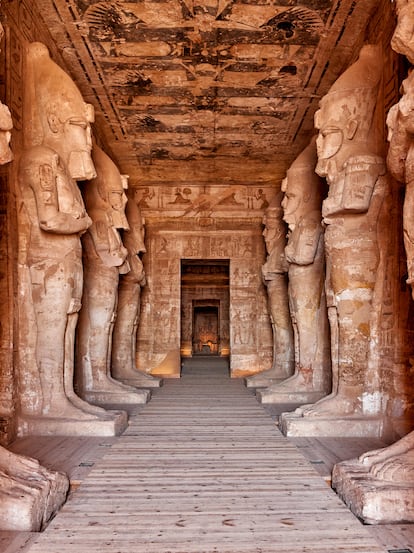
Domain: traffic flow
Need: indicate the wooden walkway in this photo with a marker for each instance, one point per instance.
(203, 469)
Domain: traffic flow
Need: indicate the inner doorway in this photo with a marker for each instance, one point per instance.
(205, 297)
(205, 336)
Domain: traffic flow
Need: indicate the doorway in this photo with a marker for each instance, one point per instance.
(205, 307)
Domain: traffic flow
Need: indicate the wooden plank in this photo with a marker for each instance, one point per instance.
(203, 469)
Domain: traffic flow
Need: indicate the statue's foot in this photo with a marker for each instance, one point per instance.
(370, 458)
(333, 406)
(298, 382)
(107, 384)
(399, 469)
(300, 410)
(64, 409)
(85, 406)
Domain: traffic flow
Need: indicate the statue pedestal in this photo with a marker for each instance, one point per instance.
(27, 505)
(264, 379)
(293, 424)
(114, 397)
(284, 396)
(372, 500)
(113, 423)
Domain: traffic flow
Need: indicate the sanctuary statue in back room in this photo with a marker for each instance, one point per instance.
(129, 298)
(303, 192)
(352, 214)
(58, 153)
(274, 275)
(379, 486)
(105, 258)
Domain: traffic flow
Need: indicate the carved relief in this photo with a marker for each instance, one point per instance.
(206, 202)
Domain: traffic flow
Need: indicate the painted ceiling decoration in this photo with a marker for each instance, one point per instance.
(203, 92)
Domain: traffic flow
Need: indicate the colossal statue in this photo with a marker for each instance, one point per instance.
(379, 486)
(303, 190)
(128, 311)
(274, 274)
(104, 258)
(29, 493)
(57, 154)
(357, 183)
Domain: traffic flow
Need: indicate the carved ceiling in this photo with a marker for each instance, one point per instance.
(202, 92)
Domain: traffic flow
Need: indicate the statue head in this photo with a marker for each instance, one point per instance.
(58, 116)
(403, 38)
(302, 187)
(106, 192)
(345, 114)
(275, 228)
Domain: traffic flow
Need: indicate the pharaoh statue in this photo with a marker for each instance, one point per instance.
(303, 190)
(274, 274)
(379, 486)
(104, 259)
(29, 493)
(57, 154)
(129, 299)
(358, 185)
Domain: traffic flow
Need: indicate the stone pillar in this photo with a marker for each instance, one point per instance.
(104, 258)
(379, 486)
(57, 154)
(304, 253)
(129, 299)
(358, 185)
(274, 274)
(29, 493)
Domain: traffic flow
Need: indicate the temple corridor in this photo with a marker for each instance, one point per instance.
(202, 468)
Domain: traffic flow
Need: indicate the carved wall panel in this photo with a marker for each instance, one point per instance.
(159, 334)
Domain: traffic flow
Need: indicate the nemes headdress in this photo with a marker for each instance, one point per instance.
(354, 94)
(303, 170)
(51, 96)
